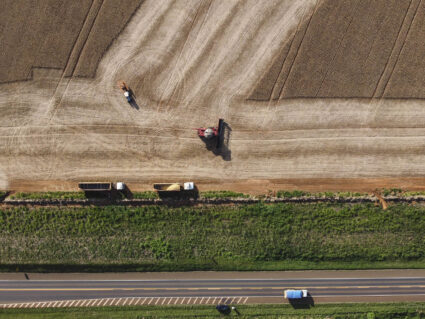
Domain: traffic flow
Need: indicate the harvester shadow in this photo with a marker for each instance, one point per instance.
(219, 146)
(304, 303)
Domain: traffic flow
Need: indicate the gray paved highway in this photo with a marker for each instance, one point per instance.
(48, 290)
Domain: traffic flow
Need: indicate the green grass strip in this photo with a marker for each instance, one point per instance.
(49, 195)
(354, 311)
(241, 237)
(223, 194)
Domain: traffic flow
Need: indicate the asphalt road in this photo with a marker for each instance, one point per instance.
(48, 290)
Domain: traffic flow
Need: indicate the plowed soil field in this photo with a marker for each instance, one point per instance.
(313, 92)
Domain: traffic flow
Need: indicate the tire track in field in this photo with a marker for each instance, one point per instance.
(396, 49)
(401, 49)
(338, 48)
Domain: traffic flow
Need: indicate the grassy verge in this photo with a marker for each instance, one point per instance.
(223, 194)
(358, 311)
(385, 192)
(243, 237)
(49, 195)
(145, 195)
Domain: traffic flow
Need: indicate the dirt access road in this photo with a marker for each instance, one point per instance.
(192, 62)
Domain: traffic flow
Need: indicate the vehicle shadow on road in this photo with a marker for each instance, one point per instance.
(220, 146)
(304, 303)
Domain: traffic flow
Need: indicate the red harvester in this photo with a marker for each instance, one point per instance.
(211, 132)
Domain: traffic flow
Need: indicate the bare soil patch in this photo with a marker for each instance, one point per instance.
(188, 66)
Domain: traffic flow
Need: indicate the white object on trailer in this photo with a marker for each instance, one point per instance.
(120, 186)
(188, 186)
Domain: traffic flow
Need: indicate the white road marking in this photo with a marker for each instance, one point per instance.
(132, 300)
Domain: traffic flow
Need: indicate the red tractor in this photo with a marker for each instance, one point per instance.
(126, 91)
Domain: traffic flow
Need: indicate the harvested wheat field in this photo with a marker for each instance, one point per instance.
(329, 92)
